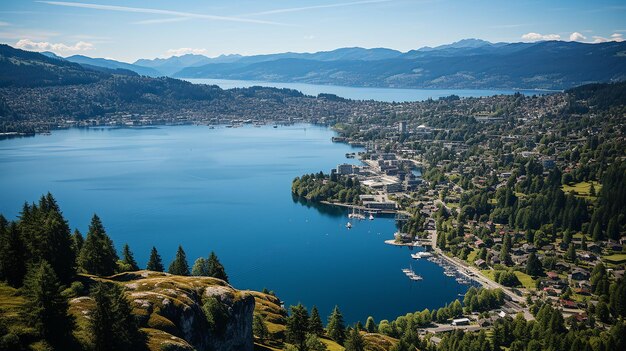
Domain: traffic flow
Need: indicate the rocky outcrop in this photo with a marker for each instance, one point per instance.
(170, 311)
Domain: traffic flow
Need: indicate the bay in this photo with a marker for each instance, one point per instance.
(226, 190)
(366, 93)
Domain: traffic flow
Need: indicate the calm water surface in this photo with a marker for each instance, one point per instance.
(226, 190)
(359, 93)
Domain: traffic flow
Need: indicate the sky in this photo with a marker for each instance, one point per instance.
(128, 30)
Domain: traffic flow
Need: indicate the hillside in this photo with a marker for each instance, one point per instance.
(21, 68)
(543, 65)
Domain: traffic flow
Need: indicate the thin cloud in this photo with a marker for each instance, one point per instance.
(163, 20)
(61, 48)
(315, 7)
(185, 51)
(4, 24)
(156, 12)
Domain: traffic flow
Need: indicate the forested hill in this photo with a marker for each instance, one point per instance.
(543, 65)
(37, 90)
(30, 69)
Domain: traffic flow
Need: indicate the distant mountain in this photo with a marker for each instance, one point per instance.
(469, 64)
(174, 64)
(113, 65)
(170, 66)
(52, 55)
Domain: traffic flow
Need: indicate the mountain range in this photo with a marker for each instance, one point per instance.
(466, 64)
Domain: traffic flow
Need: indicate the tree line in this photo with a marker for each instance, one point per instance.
(43, 259)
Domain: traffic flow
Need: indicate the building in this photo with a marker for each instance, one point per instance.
(460, 321)
(380, 205)
(393, 187)
(547, 163)
(344, 169)
(402, 127)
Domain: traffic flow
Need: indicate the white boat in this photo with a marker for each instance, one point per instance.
(371, 216)
(349, 225)
(421, 254)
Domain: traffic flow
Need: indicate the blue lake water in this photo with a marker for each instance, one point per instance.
(361, 93)
(226, 190)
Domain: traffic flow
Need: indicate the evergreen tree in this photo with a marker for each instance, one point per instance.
(370, 325)
(297, 326)
(47, 236)
(77, 241)
(355, 341)
(12, 256)
(98, 255)
(313, 343)
(533, 265)
(571, 253)
(155, 263)
(46, 308)
(128, 262)
(259, 328)
(112, 317)
(200, 268)
(597, 232)
(215, 268)
(336, 329)
(179, 266)
(612, 231)
(505, 255)
(315, 322)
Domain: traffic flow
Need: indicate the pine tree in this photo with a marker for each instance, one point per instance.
(12, 256)
(297, 326)
(315, 322)
(98, 255)
(612, 231)
(215, 268)
(313, 343)
(370, 325)
(179, 266)
(112, 317)
(597, 232)
(336, 328)
(48, 237)
(155, 263)
(46, 308)
(200, 268)
(77, 241)
(533, 265)
(128, 260)
(571, 253)
(355, 341)
(259, 328)
(505, 255)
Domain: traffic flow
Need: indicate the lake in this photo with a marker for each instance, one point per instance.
(227, 190)
(358, 93)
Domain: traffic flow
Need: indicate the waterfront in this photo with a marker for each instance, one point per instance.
(228, 190)
(367, 93)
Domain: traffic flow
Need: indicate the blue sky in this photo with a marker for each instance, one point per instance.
(132, 29)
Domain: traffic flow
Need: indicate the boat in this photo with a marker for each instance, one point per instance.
(421, 254)
(275, 126)
(349, 225)
(371, 216)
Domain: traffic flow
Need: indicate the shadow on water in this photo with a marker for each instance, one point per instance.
(326, 210)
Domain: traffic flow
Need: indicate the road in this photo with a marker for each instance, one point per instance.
(477, 275)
